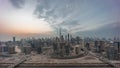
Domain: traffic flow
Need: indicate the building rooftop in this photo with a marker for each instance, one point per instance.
(44, 59)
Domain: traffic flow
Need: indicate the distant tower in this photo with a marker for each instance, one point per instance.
(14, 39)
(60, 32)
(0, 43)
(68, 37)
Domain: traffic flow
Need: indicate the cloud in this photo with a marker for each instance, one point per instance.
(110, 30)
(58, 13)
(18, 3)
(68, 13)
(74, 16)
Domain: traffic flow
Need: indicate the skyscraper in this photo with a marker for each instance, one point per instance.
(14, 39)
(111, 53)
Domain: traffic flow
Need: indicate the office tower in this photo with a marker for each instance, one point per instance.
(27, 49)
(72, 41)
(78, 40)
(111, 53)
(0, 49)
(62, 38)
(87, 45)
(67, 49)
(102, 46)
(32, 44)
(62, 48)
(0, 43)
(60, 33)
(117, 48)
(4, 49)
(82, 44)
(68, 37)
(39, 49)
(91, 45)
(97, 46)
(77, 50)
(14, 39)
(11, 49)
(55, 47)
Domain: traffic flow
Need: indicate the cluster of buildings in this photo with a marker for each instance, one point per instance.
(107, 48)
(8, 48)
(67, 46)
(5, 50)
(63, 46)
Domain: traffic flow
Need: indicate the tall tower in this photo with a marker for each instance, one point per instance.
(14, 39)
(68, 37)
(60, 32)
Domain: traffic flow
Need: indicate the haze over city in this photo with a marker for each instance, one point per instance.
(23, 18)
(59, 33)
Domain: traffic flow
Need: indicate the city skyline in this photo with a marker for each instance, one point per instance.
(24, 18)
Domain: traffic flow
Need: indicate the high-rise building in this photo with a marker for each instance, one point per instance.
(112, 53)
(4, 49)
(102, 46)
(11, 49)
(14, 39)
(27, 49)
(39, 49)
(87, 45)
(60, 33)
(55, 47)
(97, 46)
(67, 49)
(78, 40)
(0, 49)
(68, 37)
(76, 49)
(117, 48)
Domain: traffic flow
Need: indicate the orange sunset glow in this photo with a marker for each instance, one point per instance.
(24, 23)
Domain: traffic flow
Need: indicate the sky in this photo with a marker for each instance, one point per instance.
(35, 18)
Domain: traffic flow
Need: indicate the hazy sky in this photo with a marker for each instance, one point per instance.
(91, 18)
